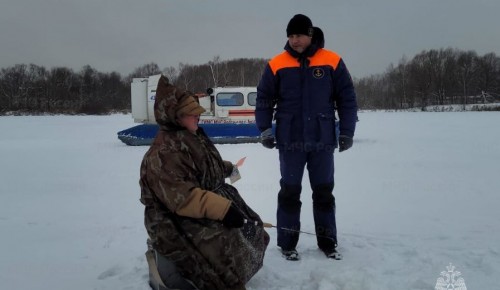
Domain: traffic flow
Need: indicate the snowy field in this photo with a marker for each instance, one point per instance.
(417, 192)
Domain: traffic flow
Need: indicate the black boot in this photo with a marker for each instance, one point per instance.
(163, 274)
(290, 255)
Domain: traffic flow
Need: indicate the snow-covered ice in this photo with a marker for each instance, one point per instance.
(417, 192)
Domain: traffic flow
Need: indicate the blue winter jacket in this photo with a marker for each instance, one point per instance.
(302, 91)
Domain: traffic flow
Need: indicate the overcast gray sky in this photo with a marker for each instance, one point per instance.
(120, 35)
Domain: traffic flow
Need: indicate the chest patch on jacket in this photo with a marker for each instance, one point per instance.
(318, 73)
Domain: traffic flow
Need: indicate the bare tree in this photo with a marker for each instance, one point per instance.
(13, 86)
(185, 75)
(488, 70)
(467, 65)
(38, 87)
(171, 73)
(144, 71)
(62, 90)
(214, 68)
(398, 83)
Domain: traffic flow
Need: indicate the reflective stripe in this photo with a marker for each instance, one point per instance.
(325, 57)
(283, 60)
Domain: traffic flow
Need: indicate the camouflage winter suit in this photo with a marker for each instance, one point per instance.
(183, 188)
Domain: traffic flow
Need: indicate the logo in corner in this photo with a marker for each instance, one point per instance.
(450, 280)
(318, 73)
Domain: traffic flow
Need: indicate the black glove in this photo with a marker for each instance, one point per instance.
(345, 142)
(233, 218)
(267, 138)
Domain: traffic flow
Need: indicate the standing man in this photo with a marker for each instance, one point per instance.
(301, 88)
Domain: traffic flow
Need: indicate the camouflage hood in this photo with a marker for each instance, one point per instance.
(168, 97)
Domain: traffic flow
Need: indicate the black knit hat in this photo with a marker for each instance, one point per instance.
(299, 24)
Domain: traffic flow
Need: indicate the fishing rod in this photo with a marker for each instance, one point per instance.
(269, 225)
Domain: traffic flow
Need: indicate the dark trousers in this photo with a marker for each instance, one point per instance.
(321, 169)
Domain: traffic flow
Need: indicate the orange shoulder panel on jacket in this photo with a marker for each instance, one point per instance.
(325, 57)
(282, 60)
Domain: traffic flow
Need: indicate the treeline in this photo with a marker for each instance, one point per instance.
(33, 89)
(434, 77)
(217, 73)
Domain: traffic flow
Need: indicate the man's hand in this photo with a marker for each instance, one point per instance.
(345, 142)
(267, 138)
